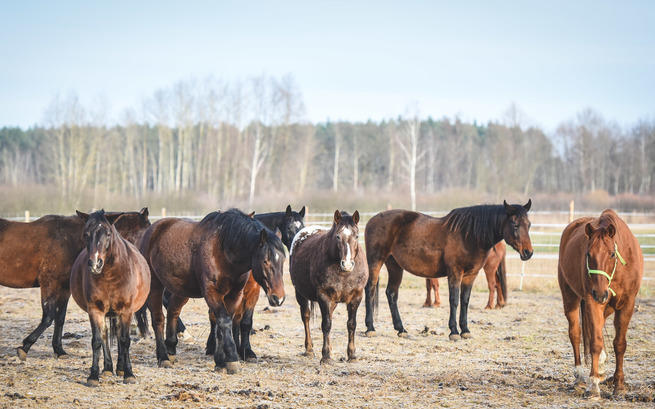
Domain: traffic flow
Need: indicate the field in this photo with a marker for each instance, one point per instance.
(519, 357)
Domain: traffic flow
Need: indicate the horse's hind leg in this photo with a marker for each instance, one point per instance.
(428, 295)
(395, 278)
(305, 315)
(327, 307)
(175, 304)
(61, 306)
(165, 299)
(491, 285)
(210, 347)
(621, 321)
(48, 315)
(157, 317)
(435, 285)
(467, 285)
(371, 291)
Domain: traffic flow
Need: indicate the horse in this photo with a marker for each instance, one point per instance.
(287, 223)
(211, 259)
(599, 272)
(495, 271)
(109, 279)
(453, 246)
(41, 254)
(328, 267)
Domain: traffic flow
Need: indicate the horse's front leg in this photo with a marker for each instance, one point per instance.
(454, 284)
(210, 346)
(467, 285)
(225, 353)
(327, 307)
(596, 320)
(395, 279)
(245, 326)
(125, 320)
(353, 305)
(96, 319)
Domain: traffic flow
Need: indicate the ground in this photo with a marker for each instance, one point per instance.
(520, 356)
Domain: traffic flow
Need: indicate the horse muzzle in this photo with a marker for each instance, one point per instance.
(95, 267)
(526, 255)
(347, 266)
(275, 301)
(600, 297)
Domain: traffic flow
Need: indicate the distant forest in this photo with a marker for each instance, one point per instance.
(241, 141)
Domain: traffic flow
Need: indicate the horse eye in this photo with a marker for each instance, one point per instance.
(612, 254)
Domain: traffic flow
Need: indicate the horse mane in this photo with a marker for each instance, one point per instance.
(480, 224)
(237, 231)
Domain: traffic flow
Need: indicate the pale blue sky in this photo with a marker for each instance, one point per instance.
(353, 62)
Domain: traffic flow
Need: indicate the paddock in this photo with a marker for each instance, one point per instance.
(519, 356)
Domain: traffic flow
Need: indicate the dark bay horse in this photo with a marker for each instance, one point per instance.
(211, 259)
(328, 267)
(288, 223)
(495, 272)
(599, 272)
(41, 254)
(453, 246)
(110, 278)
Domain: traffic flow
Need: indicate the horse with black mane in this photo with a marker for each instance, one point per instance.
(41, 254)
(213, 259)
(453, 246)
(599, 273)
(495, 272)
(109, 279)
(327, 267)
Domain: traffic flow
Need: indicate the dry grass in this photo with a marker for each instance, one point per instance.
(519, 356)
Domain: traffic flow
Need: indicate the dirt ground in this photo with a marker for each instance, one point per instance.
(519, 357)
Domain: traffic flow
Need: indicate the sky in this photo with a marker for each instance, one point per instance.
(351, 60)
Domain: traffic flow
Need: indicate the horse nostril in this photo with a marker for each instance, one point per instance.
(100, 263)
(89, 263)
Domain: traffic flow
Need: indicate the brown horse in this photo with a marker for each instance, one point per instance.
(455, 246)
(494, 270)
(599, 272)
(328, 267)
(211, 259)
(109, 279)
(41, 254)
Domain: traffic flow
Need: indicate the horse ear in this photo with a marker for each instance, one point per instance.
(508, 208)
(278, 233)
(356, 217)
(588, 230)
(337, 216)
(251, 214)
(528, 205)
(144, 213)
(83, 216)
(288, 210)
(611, 230)
(262, 237)
(302, 212)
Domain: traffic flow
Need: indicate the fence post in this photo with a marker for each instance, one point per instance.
(522, 275)
(571, 209)
(27, 216)
(163, 212)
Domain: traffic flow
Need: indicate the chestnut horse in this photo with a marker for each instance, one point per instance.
(455, 246)
(494, 270)
(328, 267)
(599, 272)
(109, 279)
(211, 259)
(41, 254)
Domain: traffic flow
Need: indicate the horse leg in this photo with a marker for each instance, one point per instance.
(572, 312)
(428, 296)
(61, 306)
(353, 305)
(454, 284)
(210, 347)
(395, 278)
(371, 294)
(596, 343)
(435, 285)
(245, 326)
(108, 365)
(225, 353)
(491, 285)
(327, 306)
(157, 317)
(465, 295)
(142, 320)
(305, 315)
(180, 325)
(621, 321)
(124, 348)
(48, 315)
(175, 304)
(236, 335)
(97, 330)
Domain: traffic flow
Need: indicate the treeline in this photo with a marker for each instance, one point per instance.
(235, 141)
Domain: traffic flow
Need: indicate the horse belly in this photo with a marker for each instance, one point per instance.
(420, 261)
(19, 265)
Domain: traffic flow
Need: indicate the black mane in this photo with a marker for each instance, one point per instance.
(480, 224)
(238, 232)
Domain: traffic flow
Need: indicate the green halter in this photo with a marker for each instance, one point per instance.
(601, 272)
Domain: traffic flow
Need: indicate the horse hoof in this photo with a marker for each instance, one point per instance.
(165, 364)
(309, 354)
(488, 307)
(92, 382)
(22, 355)
(232, 367)
(106, 374)
(120, 373)
(129, 379)
(454, 337)
(466, 335)
(370, 334)
(619, 390)
(172, 358)
(403, 334)
(326, 361)
(352, 359)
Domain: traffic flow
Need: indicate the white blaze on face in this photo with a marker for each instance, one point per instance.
(347, 232)
(297, 224)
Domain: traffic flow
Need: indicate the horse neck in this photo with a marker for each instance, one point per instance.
(117, 251)
(496, 227)
(329, 244)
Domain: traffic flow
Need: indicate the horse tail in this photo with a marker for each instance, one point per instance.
(501, 276)
(586, 331)
(111, 323)
(142, 320)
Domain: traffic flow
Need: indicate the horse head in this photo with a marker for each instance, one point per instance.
(345, 234)
(292, 223)
(98, 236)
(516, 228)
(601, 259)
(268, 266)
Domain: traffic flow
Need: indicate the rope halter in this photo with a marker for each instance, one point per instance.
(603, 273)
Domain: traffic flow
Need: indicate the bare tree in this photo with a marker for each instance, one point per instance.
(408, 141)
